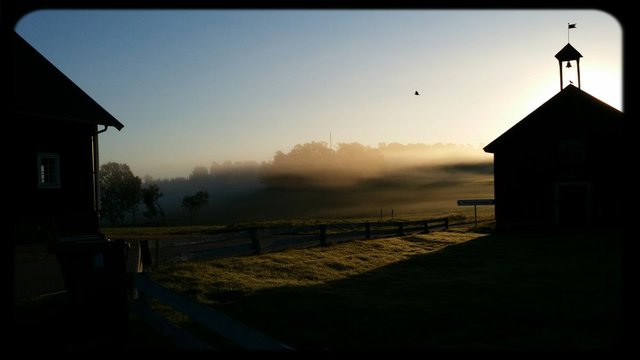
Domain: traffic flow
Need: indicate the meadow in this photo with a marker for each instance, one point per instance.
(243, 198)
(462, 289)
(468, 288)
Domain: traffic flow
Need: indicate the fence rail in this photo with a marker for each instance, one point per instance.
(234, 331)
(260, 240)
(249, 241)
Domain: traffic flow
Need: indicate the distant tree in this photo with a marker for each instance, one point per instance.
(304, 165)
(316, 164)
(120, 191)
(192, 204)
(199, 172)
(132, 193)
(233, 171)
(150, 196)
(215, 169)
(356, 160)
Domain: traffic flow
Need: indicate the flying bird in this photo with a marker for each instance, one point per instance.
(416, 93)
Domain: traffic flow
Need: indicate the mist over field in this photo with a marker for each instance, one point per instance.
(313, 180)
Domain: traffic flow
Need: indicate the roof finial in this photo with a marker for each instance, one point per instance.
(570, 26)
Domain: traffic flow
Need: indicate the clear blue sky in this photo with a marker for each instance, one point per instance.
(197, 86)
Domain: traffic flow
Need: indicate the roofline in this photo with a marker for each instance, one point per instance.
(118, 126)
(490, 147)
(107, 119)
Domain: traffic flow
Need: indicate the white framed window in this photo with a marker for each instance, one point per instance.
(48, 171)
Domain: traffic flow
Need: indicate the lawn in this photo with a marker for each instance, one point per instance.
(450, 290)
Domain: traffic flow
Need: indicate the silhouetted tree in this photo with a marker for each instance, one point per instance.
(192, 204)
(215, 169)
(199, 172)
(358, 161)
(233, 171)
(316, 164)
(132, 193)
(302, 166)
(150, 196)
(119, 191)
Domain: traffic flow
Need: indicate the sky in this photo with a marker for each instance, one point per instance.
(196, 86)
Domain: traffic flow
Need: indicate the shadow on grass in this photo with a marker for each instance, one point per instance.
(499, 292)
(47, 325)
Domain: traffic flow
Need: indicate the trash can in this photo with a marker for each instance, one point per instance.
(94, 269)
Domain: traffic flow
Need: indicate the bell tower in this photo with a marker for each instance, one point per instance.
(567, 55)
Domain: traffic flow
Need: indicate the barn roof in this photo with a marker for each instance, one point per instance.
(571, 106)
(40, 89)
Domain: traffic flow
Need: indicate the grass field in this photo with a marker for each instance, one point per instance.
(408, 191)
(460, 214)
(452, 290)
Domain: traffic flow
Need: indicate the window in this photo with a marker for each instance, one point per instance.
(48, 171)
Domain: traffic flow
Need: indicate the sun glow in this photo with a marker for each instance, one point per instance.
(602, 84)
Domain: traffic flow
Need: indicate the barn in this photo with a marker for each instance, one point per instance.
(54, 153)
(561, 166)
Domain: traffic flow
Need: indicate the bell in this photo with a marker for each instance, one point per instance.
(568, 65)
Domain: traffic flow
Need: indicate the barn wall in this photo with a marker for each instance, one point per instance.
(565, 175)
(70, 208)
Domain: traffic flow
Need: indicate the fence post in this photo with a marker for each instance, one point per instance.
(367, 230)
(446, 223)
(475, 215)
(144, 256)
(255, 241)
(140, 296)
(323, 235)
(426, 226)
(400, 229)
(157, 252)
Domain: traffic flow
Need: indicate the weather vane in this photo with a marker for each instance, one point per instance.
(570, 26)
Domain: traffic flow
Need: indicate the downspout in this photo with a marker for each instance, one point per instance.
(96, 167)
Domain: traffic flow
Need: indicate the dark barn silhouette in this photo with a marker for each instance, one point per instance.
(559, 166)
(55, 129)
(55, 199)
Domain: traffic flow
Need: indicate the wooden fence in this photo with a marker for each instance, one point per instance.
(261, 240)
(249, 241)
(235, 332)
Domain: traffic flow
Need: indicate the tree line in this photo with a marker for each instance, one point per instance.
(308, 166)
(318, 164)
(121, 192)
